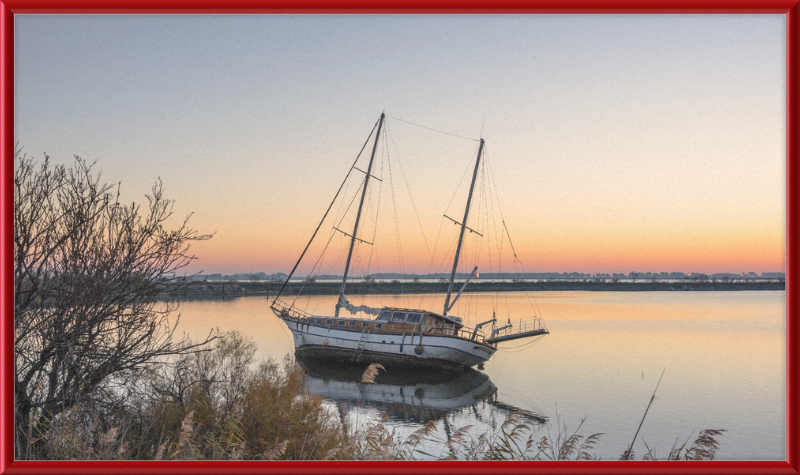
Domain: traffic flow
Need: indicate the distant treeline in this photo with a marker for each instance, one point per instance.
(695, 276)
(222, 289)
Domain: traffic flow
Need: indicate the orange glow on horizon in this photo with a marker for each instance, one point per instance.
(701, 251)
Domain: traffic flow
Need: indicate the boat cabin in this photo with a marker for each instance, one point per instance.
(421, 320)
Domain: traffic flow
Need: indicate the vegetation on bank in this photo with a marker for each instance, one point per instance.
(88, 271)
(222, 405)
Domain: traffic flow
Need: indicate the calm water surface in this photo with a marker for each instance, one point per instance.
(724, 354)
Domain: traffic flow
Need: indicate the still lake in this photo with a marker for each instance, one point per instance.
(724, 354)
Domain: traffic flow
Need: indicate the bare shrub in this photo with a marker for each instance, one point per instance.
(220, 405)
(87, 273)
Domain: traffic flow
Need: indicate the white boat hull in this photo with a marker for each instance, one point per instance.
(406, 350)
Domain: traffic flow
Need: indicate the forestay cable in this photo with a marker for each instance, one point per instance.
(326, 213)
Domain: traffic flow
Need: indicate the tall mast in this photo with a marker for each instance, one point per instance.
(463, 227)
(358, 216)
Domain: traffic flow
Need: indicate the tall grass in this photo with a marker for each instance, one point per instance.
(214, 405)
(221, 405)
(516, 439)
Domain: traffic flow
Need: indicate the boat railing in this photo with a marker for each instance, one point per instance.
(458, 331)
(289, 311)
(519, 328)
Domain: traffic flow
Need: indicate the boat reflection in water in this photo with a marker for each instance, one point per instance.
(410, 396)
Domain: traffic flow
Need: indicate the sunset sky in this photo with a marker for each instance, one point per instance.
(616, 143)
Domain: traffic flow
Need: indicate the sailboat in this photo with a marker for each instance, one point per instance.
(395, 336)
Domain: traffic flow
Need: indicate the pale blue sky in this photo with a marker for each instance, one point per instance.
(633, 120)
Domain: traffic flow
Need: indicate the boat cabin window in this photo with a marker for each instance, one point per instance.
(330, 321)
(414, 317)
(365, 324)
(378, 325)
(384, 316)
(399, 316)
(341, 323)
(352, 323)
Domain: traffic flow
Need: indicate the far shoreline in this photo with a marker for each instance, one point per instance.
(234, 288)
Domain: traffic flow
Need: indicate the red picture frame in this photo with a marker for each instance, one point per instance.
(790, 8)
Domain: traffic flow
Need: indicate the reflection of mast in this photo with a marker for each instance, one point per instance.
(461, 236)
(353, 237)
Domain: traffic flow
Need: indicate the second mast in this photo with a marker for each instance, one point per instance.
(461, 236)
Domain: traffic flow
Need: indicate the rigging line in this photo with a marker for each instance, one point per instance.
(436, 246)
(396, 221)
(338, 216)
(373, 249)
(500, 242)
(482, 219)
(509, 240)
(489, 226)
(375, 225)
(490, 205)
(338, 260)
(432, 129)
(321, 255)
(469, 245)
(442, 263)
(490, 259)
(492, 199)
(485, 201)
(321, 259)
(397, 155)
(523, 347)
(394, 213)
(311, 272)
(500, 207)
(400, 256)
(447, 254)
(530, 296)
(326, 212)
(324, 250)
(441, 222)
(352, 200)
(433, 256)
(455, 192)
(459, 184)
